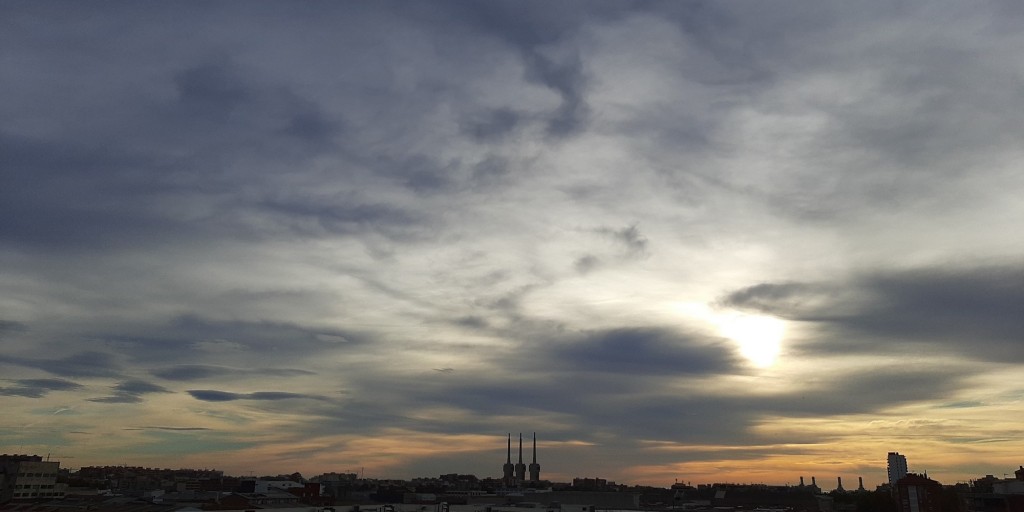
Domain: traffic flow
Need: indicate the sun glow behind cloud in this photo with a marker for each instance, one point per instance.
(759, 337)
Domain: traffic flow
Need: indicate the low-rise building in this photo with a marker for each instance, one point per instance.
(29, 477)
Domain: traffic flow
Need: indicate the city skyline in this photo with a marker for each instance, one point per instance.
(698, 241)
(896, 464)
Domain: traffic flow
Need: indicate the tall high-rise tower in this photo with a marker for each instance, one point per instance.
(520, 466)
(897, 468)
(534, 467)
(508, 468)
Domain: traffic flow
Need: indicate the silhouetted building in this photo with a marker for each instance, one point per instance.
(311, 493)
(534, 467)
(520, 466)
(508, 470)
(919, 494)
(994, 503)
(133, 478)
(754, 496)
(592, 484)
(896, 468)
(514, 475)
(253, 500)
(984, 484)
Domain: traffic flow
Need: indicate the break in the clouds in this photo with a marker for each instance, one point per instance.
(701, 240)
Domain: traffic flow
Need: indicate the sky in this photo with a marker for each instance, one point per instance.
(694, 241)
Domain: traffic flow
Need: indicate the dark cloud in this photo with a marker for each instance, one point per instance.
(531, 24)
(191, 372)
(276, 395)
(629, 237)
(83, 364)
(200, 372)
(584, 264)
(566, 76)
(491, 125)
(340, 216)
(490, 170)
(472, 321)
(70, 195)
(139, 387)
(964, 404)
(37, 388)
(186, 333)
(172, 429)
(866, 391)
(627, 396)
(211, 395)
(644, 351)
(229, 108)
(534, 30)
(8, 326)
(425, 176)
(972, 311)
(807, 302)
(117, 399)
(210, 90)
(313, 126)
(130, 392)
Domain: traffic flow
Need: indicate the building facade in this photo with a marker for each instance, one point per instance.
(28, 477)
(897, 468)
(919, 494)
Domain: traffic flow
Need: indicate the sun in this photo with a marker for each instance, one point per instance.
(759, 337)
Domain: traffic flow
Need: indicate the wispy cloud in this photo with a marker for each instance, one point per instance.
(37, 388)
(211, 395)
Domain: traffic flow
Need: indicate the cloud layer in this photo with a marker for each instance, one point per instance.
(318, 236)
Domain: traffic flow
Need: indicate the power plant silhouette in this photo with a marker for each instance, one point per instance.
(514, 475)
